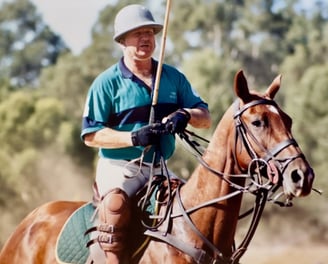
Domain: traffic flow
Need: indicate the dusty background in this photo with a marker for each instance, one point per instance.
(286, 254)
(287, 244)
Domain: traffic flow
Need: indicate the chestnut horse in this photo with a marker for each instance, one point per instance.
(252, 139)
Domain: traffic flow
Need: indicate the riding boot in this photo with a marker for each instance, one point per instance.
(114, 217)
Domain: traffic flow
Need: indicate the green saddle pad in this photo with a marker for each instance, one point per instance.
(71, 243)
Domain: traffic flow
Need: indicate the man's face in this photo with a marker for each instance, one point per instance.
(139, 43)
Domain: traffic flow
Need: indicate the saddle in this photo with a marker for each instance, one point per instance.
(71, 246)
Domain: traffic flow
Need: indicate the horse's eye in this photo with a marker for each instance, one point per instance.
(256, 123)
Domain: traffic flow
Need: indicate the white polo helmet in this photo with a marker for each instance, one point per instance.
(132, 17)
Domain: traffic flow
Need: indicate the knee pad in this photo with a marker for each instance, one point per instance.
(114, 208)
(114, 216)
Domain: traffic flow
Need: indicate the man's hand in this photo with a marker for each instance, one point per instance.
(177, 121)
(148, 135)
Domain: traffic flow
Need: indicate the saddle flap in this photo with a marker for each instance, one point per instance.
(71, 242)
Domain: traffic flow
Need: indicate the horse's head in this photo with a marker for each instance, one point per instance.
(264, 135)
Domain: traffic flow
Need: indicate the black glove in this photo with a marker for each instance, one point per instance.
(148, 135)
(177, 121)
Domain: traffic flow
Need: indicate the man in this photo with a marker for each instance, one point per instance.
(116, 118)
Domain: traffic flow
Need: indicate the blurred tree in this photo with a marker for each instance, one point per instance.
(307, 103)
(26, 43)
(20, 147)
(29, 121)
(306, 68)
(212, 77)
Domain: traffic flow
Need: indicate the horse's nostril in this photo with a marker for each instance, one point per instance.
(296, 177)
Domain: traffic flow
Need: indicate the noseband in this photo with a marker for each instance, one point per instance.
(242, 131)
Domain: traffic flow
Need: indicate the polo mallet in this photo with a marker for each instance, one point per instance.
(160, 63)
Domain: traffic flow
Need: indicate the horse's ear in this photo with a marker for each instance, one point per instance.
(274, 87)
(241, 87)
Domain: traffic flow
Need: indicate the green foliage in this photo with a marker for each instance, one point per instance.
(311, 111)
(34, 121)
(26, 43)
(212, 77)
(43, 125)
(14, 112)
(17, 172)
(68, 82)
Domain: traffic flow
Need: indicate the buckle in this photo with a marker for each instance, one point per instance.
(107, 228)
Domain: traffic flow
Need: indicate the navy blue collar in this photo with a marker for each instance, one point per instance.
(126, 73)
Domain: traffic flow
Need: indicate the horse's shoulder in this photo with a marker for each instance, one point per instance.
(44, 215)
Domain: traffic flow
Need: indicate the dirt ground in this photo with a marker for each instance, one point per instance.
(291, 254)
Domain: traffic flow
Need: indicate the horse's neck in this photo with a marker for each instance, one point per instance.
(219, 157)
(205, 185)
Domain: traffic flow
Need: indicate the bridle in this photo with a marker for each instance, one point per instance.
(271, 155)
(243, 134)
(263, 191)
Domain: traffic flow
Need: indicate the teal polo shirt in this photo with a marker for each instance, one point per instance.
(120, 100)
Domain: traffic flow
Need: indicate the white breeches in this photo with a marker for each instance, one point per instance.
(129, 176)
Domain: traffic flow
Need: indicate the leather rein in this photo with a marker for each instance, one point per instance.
(263, 191)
